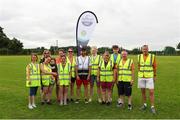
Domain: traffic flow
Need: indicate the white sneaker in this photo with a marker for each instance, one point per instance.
(99, 100)
(61, 104)
(34, 106)
(65, 103)
(30, 106)
(90, 100)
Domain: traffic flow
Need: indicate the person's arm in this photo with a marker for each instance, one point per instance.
(28, 74)
(154, 68)
(98, 74)
(45, 72)
(115, 73)
(76, 69)
(133, 76)
(89, 68)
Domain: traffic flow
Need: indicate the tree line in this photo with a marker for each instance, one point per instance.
(15, 47)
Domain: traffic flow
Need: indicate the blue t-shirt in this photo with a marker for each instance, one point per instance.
(115, 57)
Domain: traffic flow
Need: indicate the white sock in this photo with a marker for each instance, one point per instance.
(145, 104)
(152, 106)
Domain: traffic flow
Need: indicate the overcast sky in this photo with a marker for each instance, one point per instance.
(128, 23)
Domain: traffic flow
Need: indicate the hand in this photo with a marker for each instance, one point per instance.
(54, 74)
(29, 82)
(77, 77)
(88, 77)
(98, 80)
(154, 78)
(132, 82)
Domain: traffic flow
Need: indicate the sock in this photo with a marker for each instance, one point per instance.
(121, 101)
(152, 106)
(145, 104)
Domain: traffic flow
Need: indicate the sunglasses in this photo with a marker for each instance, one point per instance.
(70, 51)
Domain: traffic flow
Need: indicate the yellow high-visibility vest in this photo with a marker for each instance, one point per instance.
(124, 71)
(117, 59)
(46, 79)
(73, 65)
(95, 64)
(34, 75)
(146, 67)
(106, 73)
(64, 74)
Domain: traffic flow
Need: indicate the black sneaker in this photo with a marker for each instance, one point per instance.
(49, 103)
(143, 107)
(42, 103)
(72, 100)
(120, 105)
(67, 100)
(77, 101)
(108, 103)
(103, 102)
(86, 101)
(129, 107)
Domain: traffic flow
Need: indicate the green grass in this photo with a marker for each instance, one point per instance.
(13, 95)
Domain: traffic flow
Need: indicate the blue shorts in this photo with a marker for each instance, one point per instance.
(33, 91)
(94, 79)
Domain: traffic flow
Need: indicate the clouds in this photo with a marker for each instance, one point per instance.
(129, 23)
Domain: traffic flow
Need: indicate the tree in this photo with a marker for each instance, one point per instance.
(168, 50)
(178, 46)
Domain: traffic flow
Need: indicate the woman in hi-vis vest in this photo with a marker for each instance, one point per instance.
(33, 79)
(47, 77)
(106, 76)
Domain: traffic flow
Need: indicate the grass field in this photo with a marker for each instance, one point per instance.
(13, 95)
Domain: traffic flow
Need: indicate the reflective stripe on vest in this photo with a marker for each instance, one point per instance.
(46, 79)
(95, 64)
(146, 67)
(124, 71)
(106, 73)
(34, 75)
(64, 73)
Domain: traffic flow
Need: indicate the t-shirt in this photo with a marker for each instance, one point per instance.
(115, 56)
(58, 60)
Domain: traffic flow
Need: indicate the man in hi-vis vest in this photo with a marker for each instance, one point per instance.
(125, 79)
(146, 76)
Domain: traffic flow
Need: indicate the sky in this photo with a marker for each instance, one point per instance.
(127, 23)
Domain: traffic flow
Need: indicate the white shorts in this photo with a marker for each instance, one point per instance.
(146, 83)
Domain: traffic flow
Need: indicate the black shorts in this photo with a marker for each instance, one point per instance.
(73, 80)
(124, 88)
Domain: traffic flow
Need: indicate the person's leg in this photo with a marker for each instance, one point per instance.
(151, 93)
(91, 88)
(143, 92)
(65, 94)
(86, 91)
(78, 88)
(98, 91)
(72, 88)
(30, 98)
(103, 92)
(61, 94)
(50, 89)
(121, 92)
(85, 83)
(57, 91)
(33, 97)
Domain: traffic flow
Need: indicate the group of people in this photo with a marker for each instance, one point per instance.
(105, 70)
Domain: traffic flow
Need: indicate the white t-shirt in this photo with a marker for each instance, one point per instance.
(83, 62)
